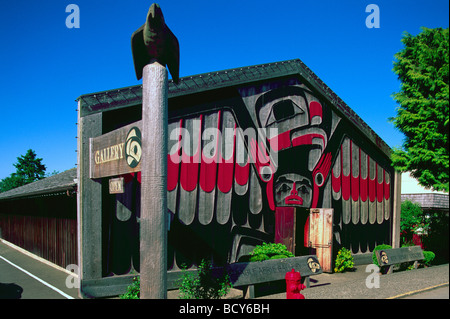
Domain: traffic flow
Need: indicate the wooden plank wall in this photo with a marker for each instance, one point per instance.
(321, 236)
(50, 237)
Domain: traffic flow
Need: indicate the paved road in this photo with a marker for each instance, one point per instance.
(352, 285)
(436, 293)
(23, 277)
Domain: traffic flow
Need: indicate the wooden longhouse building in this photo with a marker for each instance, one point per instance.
(265, 153)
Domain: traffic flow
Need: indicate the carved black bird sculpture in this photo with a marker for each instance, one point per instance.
(155, 42)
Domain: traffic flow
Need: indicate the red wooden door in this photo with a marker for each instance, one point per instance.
(285, 227)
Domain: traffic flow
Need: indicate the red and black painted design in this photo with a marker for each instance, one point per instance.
(232, 164)
(362, 184)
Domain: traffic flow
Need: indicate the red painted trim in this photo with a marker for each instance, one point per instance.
(346, 187)
(173, 165)
(315, 109)
(363, 182)
(345, 179)
(208, 175)
(139, 177)
(336, 182)
(354, 180)
(208, 167)
(387, 189)
(281, 141)
(190, 165)
(172, 173)
(307, 139)
(269, 192)
(380, 188)
(372, 184)
(241, 173)
(225, 177)
(128, 177)
(323, 167)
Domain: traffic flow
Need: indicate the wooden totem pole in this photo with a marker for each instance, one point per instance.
(154, 46)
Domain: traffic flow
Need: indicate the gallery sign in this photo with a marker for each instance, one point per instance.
(117, 152)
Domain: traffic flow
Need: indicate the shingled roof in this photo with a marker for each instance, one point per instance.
(55, 184)
(429, 200)
(130, 96)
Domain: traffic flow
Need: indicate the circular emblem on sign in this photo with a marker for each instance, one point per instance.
(133, 148)
(313, 264)
(384, 257)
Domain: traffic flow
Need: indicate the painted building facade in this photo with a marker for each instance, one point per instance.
(251, 151)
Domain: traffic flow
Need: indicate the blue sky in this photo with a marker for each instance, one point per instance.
(45, 66)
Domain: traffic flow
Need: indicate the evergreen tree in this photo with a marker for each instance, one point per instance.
(10, 182)
(423, 112)
(29, 169)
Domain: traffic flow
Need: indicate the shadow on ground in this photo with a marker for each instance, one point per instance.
(10, 291)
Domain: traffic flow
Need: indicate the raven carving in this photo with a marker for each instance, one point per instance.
(155, 42)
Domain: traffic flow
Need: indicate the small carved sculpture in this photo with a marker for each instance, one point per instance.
(155, 42)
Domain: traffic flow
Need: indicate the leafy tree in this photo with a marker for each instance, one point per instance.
(423, 112)
(411, 216)
(29, 169)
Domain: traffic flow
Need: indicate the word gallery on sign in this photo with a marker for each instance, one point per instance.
(108, 154)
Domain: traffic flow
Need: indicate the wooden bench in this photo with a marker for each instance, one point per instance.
(245, 275)
(242, 275)
(390, 257)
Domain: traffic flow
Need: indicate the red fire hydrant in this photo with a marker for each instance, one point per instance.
(294, 285)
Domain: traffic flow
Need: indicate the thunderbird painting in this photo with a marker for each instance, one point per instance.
(252, 152)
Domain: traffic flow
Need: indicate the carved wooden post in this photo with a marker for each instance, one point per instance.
(153, 224)
(397, 209)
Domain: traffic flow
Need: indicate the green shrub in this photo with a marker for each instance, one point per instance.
(258, 258)
(133, 290)
(344, 260)
(203, 284)
(270, 251)
(428, 257)
(379, 247)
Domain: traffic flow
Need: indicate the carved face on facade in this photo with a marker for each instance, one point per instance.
(293, 190)
(293, 182)
(299, 142)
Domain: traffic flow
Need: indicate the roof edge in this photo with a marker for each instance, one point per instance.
(127, 96)
(50, 185)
